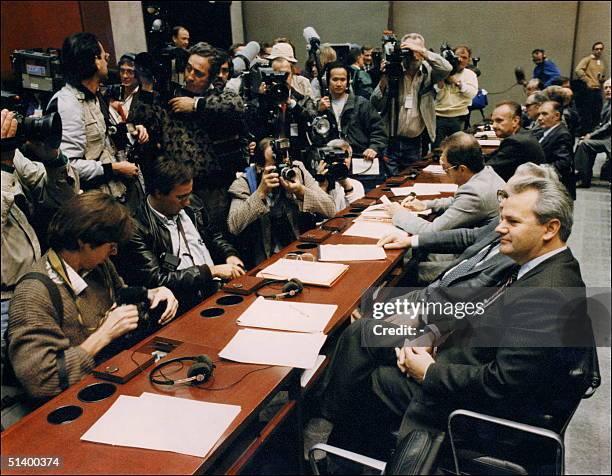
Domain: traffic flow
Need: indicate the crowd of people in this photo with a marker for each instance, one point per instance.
(173, 190)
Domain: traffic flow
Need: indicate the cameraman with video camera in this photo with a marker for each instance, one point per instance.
(268, 199)
(204, 125)
(84, 113)
(405, 95)
(71, 315)
(333, 174)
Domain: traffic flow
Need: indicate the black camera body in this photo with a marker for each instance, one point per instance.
(334, 157)
(46, 129)
(138, 296)
(449, 55)
(277, 91)
(38, 70)
(282, 160)
(395, 56)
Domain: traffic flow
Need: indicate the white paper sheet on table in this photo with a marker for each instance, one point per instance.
(163, 423)
(365, 167)
(309, 272)
(287, 315)
(351, 253)
(434, 169)
(289, 349)
(489, 142)
(372, 229)
(380, 212)
(309, 373)
(425, 189)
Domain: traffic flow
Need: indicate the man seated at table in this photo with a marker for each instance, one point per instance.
(474, 203)
(333, 178)
(517, 146)
(54, 344)
(268, 199)
(175, 244)
(510, 377)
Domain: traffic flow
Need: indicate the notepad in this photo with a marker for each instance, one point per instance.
(163, 423)
(287, 315)
(372, 229)
(434, 169)
(425, 189)
(365, 167)
(288, 349)
(351, 253)
(309, 272)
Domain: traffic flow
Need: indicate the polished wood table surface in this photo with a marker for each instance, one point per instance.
(35, 436)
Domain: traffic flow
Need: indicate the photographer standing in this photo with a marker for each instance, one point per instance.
(267, 202)
(418, 71)
(31, 191)
(84, 114)
(455, 94)
(54, 344)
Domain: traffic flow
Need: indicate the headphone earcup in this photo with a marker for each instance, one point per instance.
(205, 369)
(293, 287)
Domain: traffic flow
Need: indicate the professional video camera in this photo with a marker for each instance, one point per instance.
(38, 70)
(394, 55)
(277, 91)
(46, 129)
(284, 164)
(449, 55)
(334, 157)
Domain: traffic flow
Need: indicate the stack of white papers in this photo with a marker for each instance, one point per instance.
(372, 229)
(309, 272)
(287, 315)
(489, 142)
(163, 423)
(425, 189)
(288, 349)
(380, 213)
(309, 373)
(485, 135)
(434, 169)
(351, 253)
(365, 167)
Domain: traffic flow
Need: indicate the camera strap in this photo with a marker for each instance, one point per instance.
(182, 235)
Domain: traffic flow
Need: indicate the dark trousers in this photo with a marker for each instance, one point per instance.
(402, 152)
(365, 393)
(589, 104)
(585, 155)
(447, 126)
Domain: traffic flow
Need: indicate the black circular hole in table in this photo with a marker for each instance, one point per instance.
(96, 392)
(306, 246)
(356, 210)
(229, 300)
(63, 415)
(386, 189)
(350, 215)
(212, 312)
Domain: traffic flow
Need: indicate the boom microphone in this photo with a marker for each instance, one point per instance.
(311, 37)
(242, 61)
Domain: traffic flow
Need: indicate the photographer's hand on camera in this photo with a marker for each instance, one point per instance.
(141, 134)
(294, 187)
(125, 168)
(118, 321)
(322, 170)
(420, 52)
(160, 294)
(269, 181)
(182, 104)
(324, 104)
(9, 129)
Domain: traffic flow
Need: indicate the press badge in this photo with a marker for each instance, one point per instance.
(408, 102)
(294, 130)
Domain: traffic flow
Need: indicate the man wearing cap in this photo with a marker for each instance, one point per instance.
(284, 51)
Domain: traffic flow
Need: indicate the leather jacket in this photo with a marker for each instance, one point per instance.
(140, 260)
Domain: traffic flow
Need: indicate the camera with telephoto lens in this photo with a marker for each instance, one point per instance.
(46, 129)
(449, 55)
(282, 160)
(335, 158)
(277, 91)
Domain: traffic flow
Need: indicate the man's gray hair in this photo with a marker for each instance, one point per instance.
(529, 169)
(413, 36)
(553, 202)
(338, 143)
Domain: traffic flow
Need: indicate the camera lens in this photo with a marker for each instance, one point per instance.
(47, 129)
(288, 173)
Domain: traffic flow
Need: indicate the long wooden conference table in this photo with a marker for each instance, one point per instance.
(193, 334)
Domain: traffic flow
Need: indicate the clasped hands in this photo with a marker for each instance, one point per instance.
(414, 361)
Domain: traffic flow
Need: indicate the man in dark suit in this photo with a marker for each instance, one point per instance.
(594, 142)
(557, 143)
(517, 145)
(516, 372)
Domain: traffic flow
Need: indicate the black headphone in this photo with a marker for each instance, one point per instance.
(291, 288)
(200, 372)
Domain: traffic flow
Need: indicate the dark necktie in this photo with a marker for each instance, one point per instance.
(508, 282)
(462, 268)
